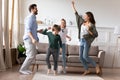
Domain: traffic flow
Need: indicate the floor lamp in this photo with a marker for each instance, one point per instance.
(116, 32)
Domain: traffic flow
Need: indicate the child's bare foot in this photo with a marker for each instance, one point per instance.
(48, 72)
(86, 72)
(64, 70)
(55, 72)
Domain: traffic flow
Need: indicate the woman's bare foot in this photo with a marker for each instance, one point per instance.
(97, 69)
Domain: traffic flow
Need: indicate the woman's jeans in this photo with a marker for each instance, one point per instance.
(64, 55)
(83, 53)
(55, 54)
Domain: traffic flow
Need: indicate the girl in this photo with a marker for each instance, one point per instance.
(63, 35)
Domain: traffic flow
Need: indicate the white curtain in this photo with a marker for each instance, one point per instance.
(9, 20)
(16, 24)
(5, 19)
(2, 65)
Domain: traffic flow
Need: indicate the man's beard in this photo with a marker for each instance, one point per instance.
(36, 13)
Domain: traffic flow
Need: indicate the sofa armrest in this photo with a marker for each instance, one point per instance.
(101, 56)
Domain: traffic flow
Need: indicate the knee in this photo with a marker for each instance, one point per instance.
(81, 58)
(85, 58)
(31, 57)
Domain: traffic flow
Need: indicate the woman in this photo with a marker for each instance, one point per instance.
(87, 33)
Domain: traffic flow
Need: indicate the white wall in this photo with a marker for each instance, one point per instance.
(106, 12)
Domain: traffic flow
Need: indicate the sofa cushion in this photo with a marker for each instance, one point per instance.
(93, 51)
(73, 49)
(42, 57)
(42, 47)
(73, 59)
(76, 59)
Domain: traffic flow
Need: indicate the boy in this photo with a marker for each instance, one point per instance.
(53, 49)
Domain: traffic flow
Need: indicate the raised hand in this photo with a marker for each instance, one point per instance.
(73, 2)
(73, 6)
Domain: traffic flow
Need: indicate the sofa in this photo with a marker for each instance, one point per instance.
(72, 56)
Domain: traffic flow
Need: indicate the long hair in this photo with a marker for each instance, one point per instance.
(91, 17)
(64, 21)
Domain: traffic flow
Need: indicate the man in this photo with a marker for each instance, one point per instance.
(30, 39)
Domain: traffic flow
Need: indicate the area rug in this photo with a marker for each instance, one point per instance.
(43, 76)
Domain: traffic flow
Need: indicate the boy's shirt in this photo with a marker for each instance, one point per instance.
(54, 40)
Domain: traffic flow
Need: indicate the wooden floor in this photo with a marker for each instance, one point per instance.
(13, 74)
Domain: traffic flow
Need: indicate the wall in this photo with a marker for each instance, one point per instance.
(106, 14)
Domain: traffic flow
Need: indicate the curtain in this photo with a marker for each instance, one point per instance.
(15, 28)
(14, 23)
(8, 62)
(9, 30)
(11, 19)
(2, 65)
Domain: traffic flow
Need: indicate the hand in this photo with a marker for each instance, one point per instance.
(73, 5)
(34, 41)
(89, 28)
(49, 28)
(69, 38)
(73, 2)
(40, 31)
(60, 50)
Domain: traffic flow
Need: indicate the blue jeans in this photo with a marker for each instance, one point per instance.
(55, 54)
(64, 55)
(84, 57)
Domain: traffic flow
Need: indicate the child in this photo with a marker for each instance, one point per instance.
(63, 35)
(54, 42)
